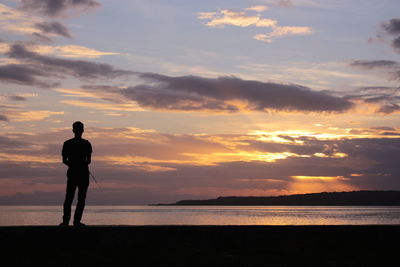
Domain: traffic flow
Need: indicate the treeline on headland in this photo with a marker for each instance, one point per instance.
(354, 198)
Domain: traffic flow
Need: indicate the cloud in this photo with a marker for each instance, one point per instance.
(262, 37)
(396, 44)
(32, 115)
(130, 160)
(206, 15)
(235, 18)
(3, 118)
(281, 31)
(9, 143)
(186, 93)
(60, 67)
(104, 106)
(19, 112)
(292, 3)
(70, 51)
(166, 99)
(285, 3)
(243, 19)
(53, 27)
(376, 132)
(383, 128)
(30, 65)
(27, 62)
(392, 28)
(259, 8)
(54, 8)
(323, 178)
(24, 75)
(24, 23)
(225, 94)
(378, 89)
(17, 98)
(389, 108)
(13, 97)
(372, 64)
(290, 30)
(386, 100)
(388, 66)
(16, 21)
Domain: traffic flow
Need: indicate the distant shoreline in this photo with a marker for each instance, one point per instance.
(353, 198)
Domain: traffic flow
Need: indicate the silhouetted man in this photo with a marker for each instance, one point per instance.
(76, 154)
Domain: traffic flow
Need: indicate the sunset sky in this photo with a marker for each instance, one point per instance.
(199, 99)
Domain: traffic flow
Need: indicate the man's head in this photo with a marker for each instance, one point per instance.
(77, 128)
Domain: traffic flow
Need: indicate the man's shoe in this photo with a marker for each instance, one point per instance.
(63, 224)
(79, 224)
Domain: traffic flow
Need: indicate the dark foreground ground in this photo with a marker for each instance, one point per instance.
(200, 246)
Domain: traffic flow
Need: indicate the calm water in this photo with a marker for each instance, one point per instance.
(215, 215)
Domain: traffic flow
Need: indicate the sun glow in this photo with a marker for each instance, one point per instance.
(147, 163)
(334, 155)
(331, 133)
(321, 178)
(218, 157)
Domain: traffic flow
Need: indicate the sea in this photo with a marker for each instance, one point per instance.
(206, 215)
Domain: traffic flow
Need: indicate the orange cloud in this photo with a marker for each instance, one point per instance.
(283, 31)
(104, 106)
(259, 8)
(243, 19)
(15, 21)
(16, 113)
(70, 51)
(212, 165)
(67, 51)
(33, 115)
(10, 157)
(236, 18)
(322, 178)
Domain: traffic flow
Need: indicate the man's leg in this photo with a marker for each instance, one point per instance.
(82, 190)
(69, 197)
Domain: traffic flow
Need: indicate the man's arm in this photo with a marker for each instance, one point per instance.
(64, 153)
(65, 160)
(89, 153)
(88, 159)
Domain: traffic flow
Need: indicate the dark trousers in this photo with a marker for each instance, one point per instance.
(76, 179)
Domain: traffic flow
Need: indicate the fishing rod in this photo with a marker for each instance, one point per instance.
(94, 179)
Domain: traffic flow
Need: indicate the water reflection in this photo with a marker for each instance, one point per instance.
(212, 215)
